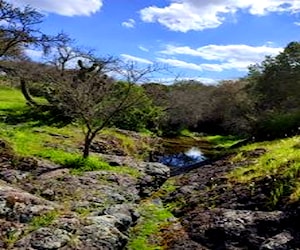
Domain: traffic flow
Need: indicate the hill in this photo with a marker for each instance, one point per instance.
(52, 199)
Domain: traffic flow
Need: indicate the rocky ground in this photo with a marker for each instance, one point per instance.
(43, 206)
(215, 213)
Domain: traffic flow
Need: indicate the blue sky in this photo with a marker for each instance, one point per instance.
(208, 40)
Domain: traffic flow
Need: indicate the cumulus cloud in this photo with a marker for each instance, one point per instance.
(185, 15)
(65, 7)
(224, 57)
(130, 23)
(127, 57)
(180, 64)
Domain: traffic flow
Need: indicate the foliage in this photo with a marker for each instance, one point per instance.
(153, 218)
(274, 88)
(18, 30)
(141, 116)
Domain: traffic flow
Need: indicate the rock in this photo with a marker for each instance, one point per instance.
(12, 175)
(239, 229)
(278, 242)
(44, 239)
(155, 174)
(125, 213)
(48, 238)
(102, 233)
(48, 194)
(94, 210)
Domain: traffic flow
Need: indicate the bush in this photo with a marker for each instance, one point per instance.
(278, 125)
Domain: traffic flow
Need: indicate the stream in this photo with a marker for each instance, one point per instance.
(191, 156)
(182, 154)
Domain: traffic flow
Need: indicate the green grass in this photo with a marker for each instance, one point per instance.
(281, 163)
(126, 141)
(153, 217)
(186, 132)
(43, 220)
(223, 141)
(58, 144)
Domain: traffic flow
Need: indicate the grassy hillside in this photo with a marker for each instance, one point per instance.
(278, 167)
(31, 134)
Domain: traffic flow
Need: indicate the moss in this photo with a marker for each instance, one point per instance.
(145, 235)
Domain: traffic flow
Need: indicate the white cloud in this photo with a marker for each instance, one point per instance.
(65, 7)
(205, 80)
(171, 80)
(297, 23)
(185, 15)
(130, 23)
(180, 64)
(127, 57)
(34, 54)
(143, 48)
(224, 57)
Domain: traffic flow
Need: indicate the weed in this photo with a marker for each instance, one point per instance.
(11, 238)
(43, 220)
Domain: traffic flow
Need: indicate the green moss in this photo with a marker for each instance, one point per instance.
(145, 235)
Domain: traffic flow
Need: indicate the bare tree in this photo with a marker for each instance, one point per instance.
(95, 99)
(18, 29)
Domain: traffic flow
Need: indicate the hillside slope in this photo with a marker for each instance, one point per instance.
(247, 200)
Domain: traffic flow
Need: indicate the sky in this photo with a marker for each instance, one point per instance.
(205, 40)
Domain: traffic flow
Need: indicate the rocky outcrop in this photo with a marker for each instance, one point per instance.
(44, 206)
(218, 214)
(239, 229)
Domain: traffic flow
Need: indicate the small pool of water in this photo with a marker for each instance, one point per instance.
(191, 156)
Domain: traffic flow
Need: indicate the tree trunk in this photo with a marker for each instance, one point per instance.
(87, 144)
(89, 137)
(26, 94)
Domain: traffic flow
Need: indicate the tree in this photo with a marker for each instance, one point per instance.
(95, 99)
(18, 30)
(232, 110)
(189, 102)
(276, 81)
(274, 87)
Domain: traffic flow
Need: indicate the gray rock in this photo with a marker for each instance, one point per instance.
(278, 242)
(49, 238)
(102, 233)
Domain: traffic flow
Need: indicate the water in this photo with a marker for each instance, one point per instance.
(191, 156)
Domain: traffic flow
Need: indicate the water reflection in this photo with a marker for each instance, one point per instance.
(192, 156)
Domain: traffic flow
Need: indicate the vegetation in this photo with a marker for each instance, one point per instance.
(279, 166)
(144, 236)
(45, 107)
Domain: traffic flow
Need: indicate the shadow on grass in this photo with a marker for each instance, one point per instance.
(35, 116)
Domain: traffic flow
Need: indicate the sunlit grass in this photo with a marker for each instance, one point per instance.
(281, 162)
(60, 145)
(223, 141)
(153, 217)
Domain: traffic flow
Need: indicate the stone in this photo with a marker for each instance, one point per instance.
(49, 238)
(278, 242)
